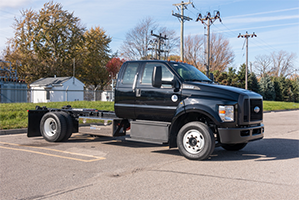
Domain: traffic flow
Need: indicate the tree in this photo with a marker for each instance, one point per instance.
(263, 65)
(253, 84)
(94, 56)
(193, 50)
(283, 63)
(267, 88)
(114, 65)
(221, 54)
(45, 42)
(136, 44)
(241, 76)
(276, 64)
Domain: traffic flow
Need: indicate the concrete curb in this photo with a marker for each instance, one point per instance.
(24, 130)
(13, 131)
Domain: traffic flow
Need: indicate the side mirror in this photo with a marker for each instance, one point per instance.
(212, 77)
(176, 85)
(156, 77)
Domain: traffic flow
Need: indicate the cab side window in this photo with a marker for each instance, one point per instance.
(147, 73)
(129, 73)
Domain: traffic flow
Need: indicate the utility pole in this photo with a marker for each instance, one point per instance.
(210, 20)
(247, 36)
(159, 41)
(182, 18)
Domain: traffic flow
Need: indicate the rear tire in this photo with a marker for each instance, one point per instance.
(69, 121)
(233, 147)
(53, 127)
(195, 141)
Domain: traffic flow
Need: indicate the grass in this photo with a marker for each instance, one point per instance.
(278, 105)
(14, 115)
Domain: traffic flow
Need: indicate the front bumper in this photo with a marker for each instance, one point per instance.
(240, 135)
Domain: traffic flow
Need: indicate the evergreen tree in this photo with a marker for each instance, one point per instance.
(253, 83)
(277, 81)
(295, 84)
(267, 88)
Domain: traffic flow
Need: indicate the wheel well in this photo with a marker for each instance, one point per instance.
(186, 118)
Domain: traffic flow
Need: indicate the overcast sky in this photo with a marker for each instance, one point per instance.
(275, 22)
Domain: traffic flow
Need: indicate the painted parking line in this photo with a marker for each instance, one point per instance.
(53, 155)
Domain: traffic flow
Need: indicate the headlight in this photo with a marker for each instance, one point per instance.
(226, 113)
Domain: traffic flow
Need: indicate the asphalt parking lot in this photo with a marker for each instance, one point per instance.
(88, 167)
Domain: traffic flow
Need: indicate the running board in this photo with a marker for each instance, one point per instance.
(143, 140)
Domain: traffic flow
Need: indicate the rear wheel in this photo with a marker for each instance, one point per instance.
(233, 147)
(53, 127)
(195, 141)
(69, 122)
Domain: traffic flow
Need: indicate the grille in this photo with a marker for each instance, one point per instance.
(253, 115)
(256, 103)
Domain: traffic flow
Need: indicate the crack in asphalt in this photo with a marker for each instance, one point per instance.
(57, 193)
(221, 177)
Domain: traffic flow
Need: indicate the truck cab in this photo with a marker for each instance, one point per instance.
(173, 102)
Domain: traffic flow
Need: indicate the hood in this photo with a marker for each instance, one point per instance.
(218, 91)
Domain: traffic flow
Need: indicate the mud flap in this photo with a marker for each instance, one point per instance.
(119, 127)
(34, 119)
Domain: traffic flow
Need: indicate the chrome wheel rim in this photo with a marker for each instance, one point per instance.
(50, 127)
(193, 141)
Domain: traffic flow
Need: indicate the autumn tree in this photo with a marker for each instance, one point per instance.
(137, 40)
(45, 42)
(95, 55)
(113, 66)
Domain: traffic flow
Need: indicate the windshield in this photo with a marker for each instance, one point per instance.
(189, 72)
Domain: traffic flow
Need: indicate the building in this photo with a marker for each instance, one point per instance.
(12, 88)
(56, 89)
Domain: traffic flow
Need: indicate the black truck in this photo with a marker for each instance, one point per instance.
(166, 102)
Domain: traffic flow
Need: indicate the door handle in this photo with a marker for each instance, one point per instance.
(138, 93)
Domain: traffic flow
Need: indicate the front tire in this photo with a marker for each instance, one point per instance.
(195, 141)
(53, 127)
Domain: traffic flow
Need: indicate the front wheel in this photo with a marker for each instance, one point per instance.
(195, 141)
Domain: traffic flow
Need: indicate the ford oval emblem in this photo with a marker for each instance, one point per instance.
(256, 109)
